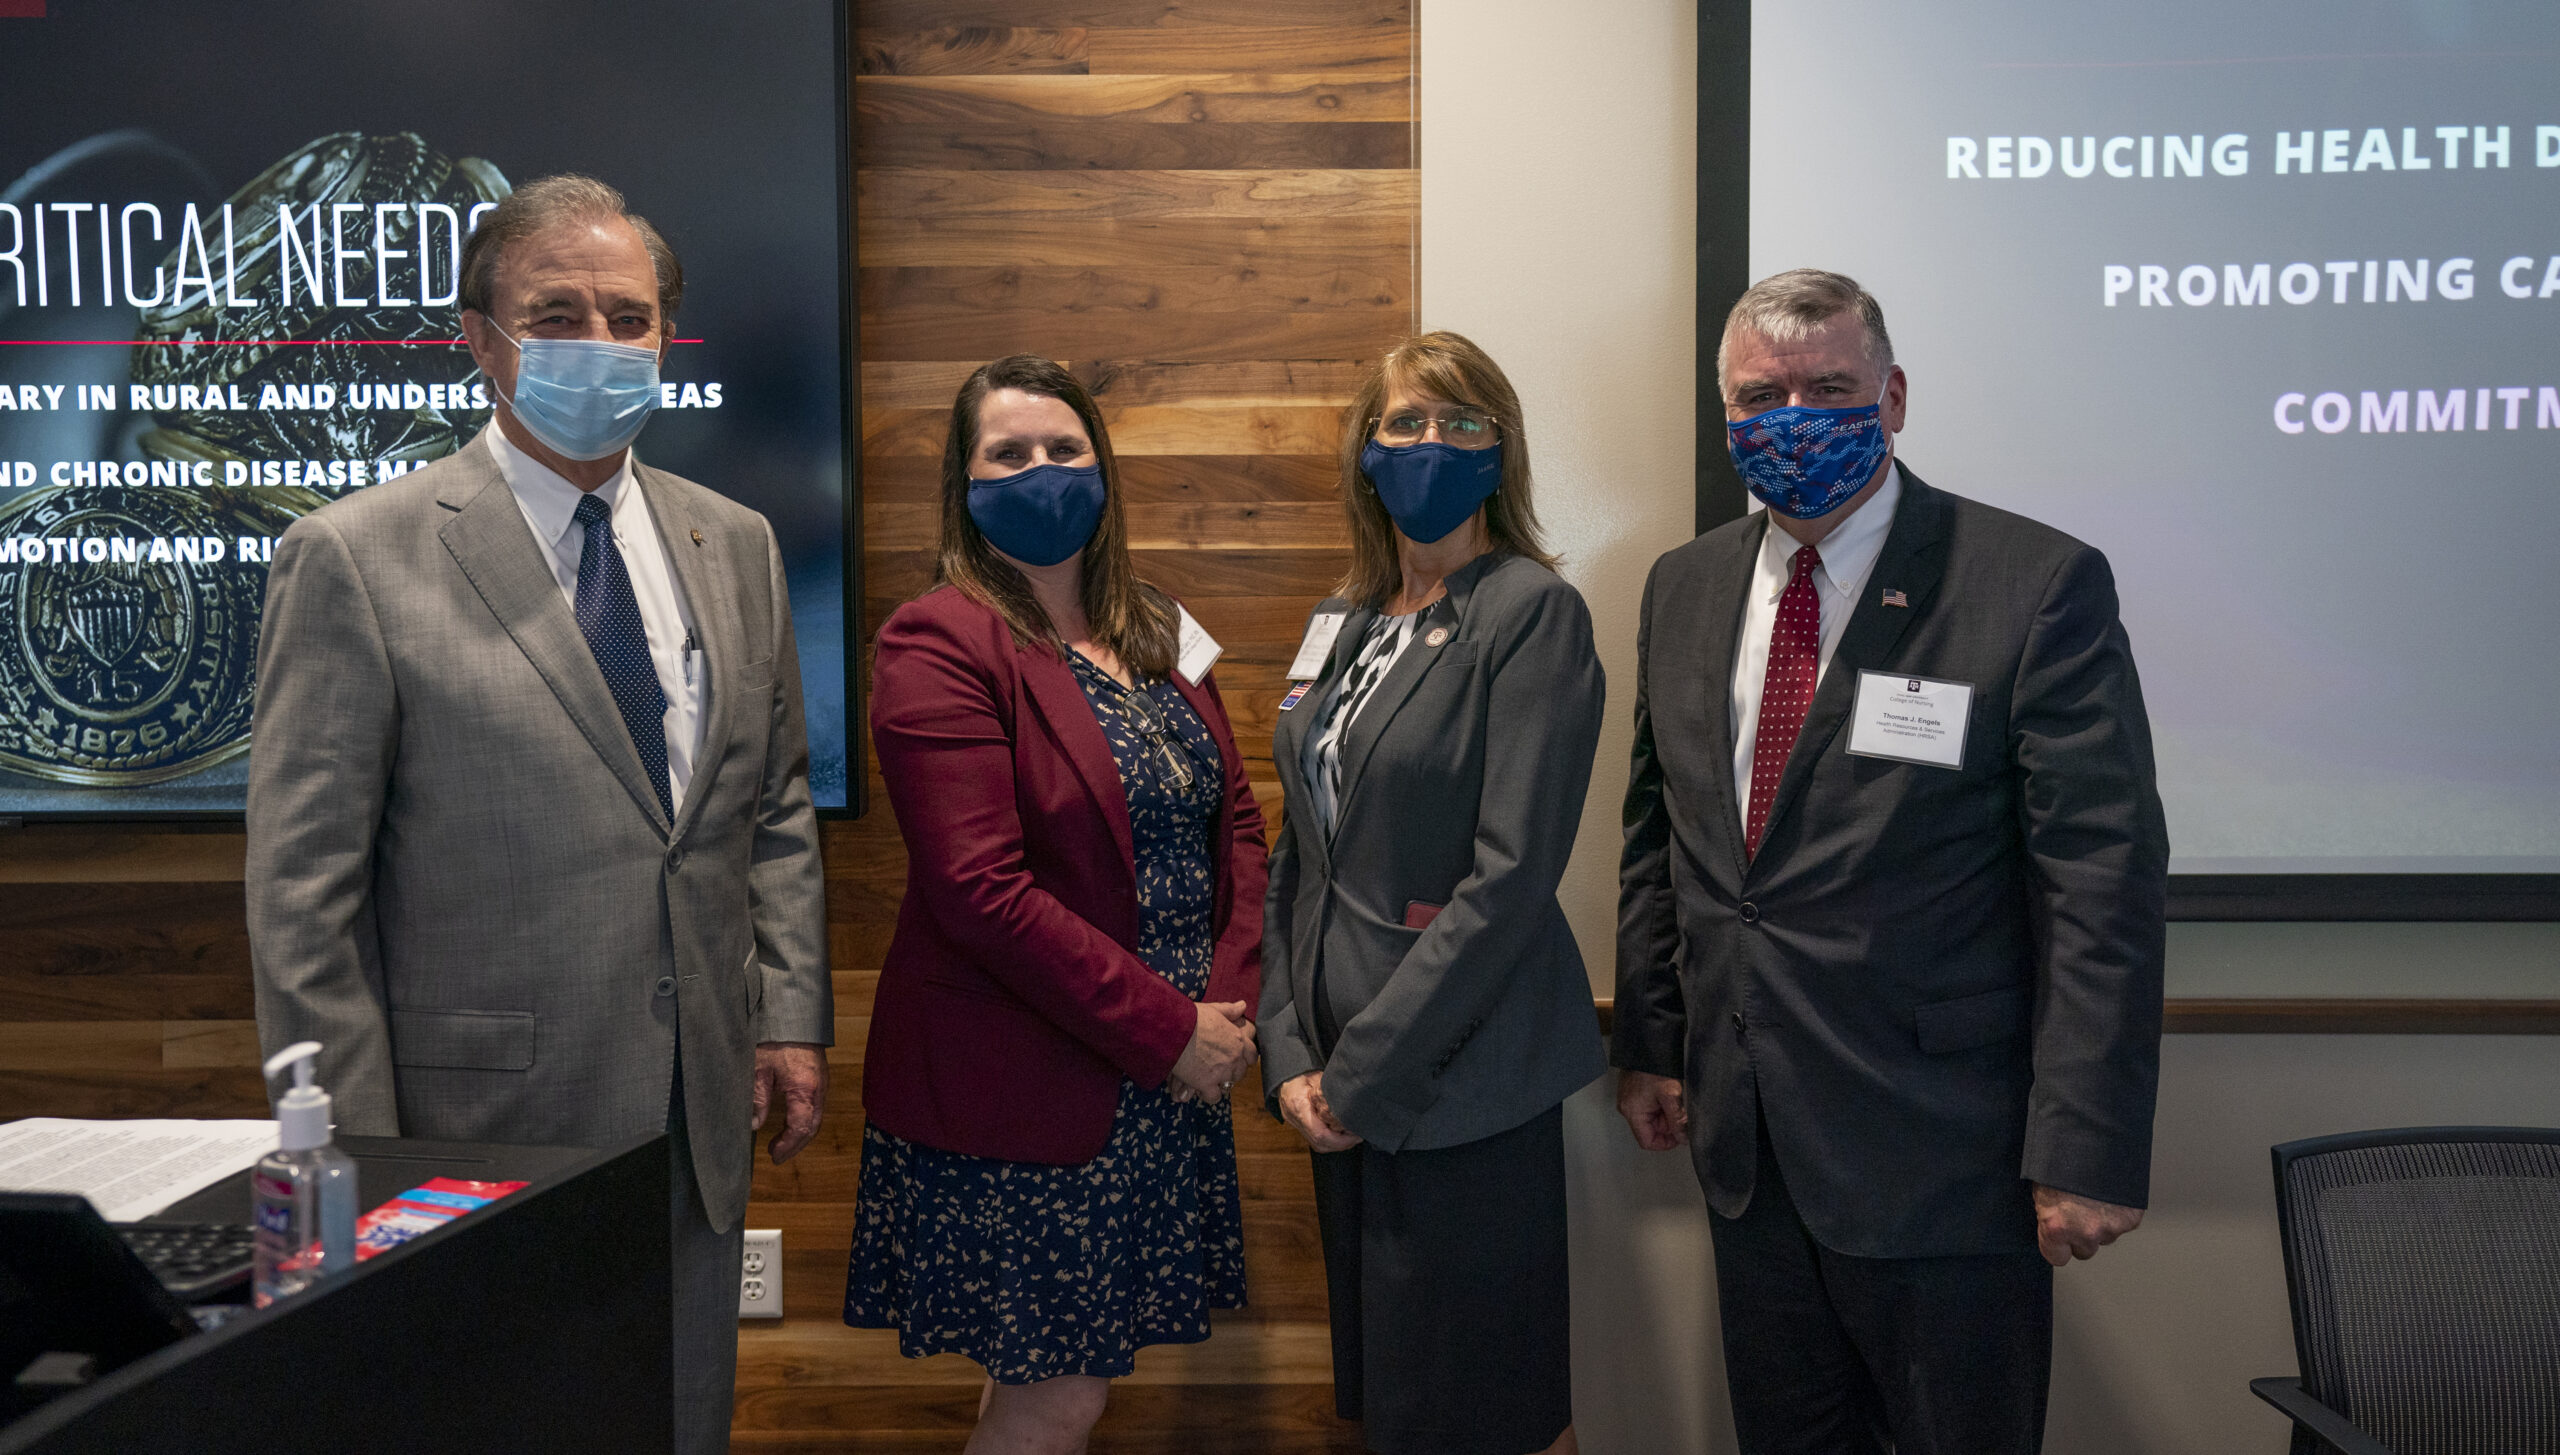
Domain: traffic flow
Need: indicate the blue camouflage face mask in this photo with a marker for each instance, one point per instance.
(1807, 463)
(582, 397)
(1430, 489)
(1039, 516)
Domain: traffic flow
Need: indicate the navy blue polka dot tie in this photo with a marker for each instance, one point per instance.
(609, 615)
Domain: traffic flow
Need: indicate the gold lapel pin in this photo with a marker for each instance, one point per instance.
(697, 538)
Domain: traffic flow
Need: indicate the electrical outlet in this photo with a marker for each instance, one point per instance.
(760, 1275)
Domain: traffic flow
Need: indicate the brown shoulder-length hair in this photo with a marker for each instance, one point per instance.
(1132, 618)
(1445, 366)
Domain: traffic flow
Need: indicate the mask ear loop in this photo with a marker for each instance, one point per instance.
(509, 396)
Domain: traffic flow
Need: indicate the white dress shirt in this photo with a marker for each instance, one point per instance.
(550, 506)
(1848, 558)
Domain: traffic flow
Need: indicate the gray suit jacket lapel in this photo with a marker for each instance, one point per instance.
(1912, 561)
(1390, 695)
(711, 593)
(498, 555)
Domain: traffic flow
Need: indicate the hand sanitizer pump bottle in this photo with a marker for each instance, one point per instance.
(305, 1190)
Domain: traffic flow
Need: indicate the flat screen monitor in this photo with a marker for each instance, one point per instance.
(228, 270)
(2263, 302)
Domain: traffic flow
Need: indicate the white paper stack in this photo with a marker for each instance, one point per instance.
(128, 1169)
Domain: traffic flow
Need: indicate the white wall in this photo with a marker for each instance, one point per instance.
(1558, 188)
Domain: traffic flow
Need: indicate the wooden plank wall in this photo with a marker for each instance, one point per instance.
(1210, 209)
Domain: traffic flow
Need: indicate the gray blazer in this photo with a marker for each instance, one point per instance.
(459, 878)
(1462, 785)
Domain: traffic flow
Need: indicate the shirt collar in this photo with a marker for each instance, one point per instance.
(1850, 551)
(548, 498)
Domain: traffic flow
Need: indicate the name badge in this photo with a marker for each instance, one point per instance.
(1317, 645)
(1910, 719)
(1198, 648)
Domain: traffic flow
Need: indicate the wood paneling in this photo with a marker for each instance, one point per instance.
(1174, 100)
(915, 15)
(1209, 213)
(1113, 145)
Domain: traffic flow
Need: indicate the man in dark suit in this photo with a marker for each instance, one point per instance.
(1890, 910)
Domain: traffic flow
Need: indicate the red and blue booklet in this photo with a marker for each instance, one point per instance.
(423, 1209)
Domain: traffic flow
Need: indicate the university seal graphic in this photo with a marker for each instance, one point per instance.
(130, 592)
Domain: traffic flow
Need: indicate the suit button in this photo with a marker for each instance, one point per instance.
(666, 985)
(675, 859)
(1750, 913)
(1737, 1020)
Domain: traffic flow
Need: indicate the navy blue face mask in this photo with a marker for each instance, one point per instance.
(1042, 515)
(1430, 489)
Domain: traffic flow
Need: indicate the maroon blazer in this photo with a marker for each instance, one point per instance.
(1013, 1001)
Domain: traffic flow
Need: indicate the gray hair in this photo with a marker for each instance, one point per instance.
(1785, 307)
(546, 202)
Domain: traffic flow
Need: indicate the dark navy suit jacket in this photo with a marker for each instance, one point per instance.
(1938, 985)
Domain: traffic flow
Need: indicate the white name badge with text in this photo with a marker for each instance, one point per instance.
(1910, 719)
(1317, 645)
(1199, 649)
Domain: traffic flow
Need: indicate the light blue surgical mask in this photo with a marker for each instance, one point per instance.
(584, 398)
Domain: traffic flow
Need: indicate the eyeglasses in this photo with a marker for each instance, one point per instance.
(1172, 755)
(1467, 429)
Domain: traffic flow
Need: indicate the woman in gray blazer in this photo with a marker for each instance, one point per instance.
(1424, 1009)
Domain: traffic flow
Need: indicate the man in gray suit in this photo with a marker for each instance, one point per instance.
(530, 841)
(1890, 912)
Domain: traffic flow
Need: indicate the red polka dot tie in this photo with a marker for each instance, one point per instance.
(1786, 692)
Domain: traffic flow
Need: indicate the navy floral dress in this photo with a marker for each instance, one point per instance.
(1036, 1271)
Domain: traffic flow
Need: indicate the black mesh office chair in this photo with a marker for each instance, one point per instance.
(2424, 1266)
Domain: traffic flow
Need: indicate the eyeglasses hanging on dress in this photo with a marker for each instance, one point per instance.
(1172, 755)
(1139, 710)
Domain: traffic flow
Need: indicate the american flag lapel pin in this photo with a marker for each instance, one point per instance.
(1896, 598)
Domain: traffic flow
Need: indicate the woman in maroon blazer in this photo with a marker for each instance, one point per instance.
(1048, 1172)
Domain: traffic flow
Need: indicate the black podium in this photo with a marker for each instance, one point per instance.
(540, 1322)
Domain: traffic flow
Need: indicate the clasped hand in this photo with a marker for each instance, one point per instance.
(1303, 1105)
(1220, 1050)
